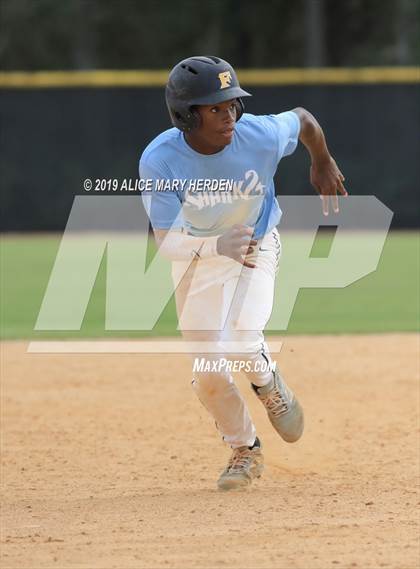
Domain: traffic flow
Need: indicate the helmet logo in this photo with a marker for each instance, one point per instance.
(225, 79)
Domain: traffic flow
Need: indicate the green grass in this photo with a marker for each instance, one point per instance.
(384, 301)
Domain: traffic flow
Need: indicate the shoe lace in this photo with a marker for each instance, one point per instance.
(240, 459)
(276, 402)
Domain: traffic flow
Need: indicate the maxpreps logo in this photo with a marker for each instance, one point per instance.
(225, 79)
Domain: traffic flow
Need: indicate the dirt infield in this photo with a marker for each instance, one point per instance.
(109, 461)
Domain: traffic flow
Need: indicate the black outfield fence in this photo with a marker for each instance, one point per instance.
(54, 137)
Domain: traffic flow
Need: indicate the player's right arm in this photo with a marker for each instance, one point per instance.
(235, 243)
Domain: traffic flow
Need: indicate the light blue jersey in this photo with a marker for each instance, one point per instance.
(208, 193)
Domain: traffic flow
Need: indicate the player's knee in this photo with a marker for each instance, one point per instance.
(211, 384)
(243, 347)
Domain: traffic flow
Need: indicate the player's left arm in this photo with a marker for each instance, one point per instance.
(325, 175)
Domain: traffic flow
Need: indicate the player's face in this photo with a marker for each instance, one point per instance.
(216, 128)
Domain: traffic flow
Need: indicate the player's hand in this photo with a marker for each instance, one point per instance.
(327, 179)
(236, 243)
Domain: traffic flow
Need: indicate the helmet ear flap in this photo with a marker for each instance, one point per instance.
(195, 119)
(240, 107)
(187, 121)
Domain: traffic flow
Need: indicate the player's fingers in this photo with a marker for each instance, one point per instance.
(243, 261)
(318, 189)
(243, 241)
(334, 201)
(246, 240)
(341, 188)
(325, 204)
(245, 231)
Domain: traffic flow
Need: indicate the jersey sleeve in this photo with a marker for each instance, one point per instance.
(288, 125)
(281, 132)
(164, 208)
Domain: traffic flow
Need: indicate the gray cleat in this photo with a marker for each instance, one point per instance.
(283, 409)
(245, 464)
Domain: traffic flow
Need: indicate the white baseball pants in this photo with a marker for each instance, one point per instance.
(227, 306)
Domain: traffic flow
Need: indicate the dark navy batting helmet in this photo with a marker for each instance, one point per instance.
(201, 80)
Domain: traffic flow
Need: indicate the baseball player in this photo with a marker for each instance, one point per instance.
(216, 220)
